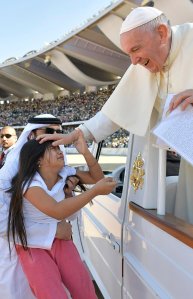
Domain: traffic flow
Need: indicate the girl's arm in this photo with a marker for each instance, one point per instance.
(95, 173)
(68, 206)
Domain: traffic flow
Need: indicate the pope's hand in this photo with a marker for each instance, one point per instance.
(185, 98)
(58, 139)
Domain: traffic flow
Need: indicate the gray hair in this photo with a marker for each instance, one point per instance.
(152, 25)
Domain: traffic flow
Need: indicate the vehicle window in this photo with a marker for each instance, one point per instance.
(113, 156)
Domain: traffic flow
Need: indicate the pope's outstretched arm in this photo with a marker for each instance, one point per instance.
(96, 128)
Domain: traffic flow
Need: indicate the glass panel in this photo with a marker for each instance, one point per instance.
(113, 157)
(114, 151)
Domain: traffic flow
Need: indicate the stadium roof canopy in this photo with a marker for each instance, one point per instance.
(85, 58)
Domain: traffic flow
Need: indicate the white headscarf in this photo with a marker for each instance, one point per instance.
(10, 168)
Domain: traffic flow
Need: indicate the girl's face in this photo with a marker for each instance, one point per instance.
(53, 157)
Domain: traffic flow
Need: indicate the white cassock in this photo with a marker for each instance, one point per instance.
(131, 105)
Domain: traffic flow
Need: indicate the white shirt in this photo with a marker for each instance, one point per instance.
(31, 213)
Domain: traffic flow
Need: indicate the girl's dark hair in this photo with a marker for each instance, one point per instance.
(30, 154)
(79, 187)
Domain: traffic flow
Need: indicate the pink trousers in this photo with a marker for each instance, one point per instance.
(48, 270)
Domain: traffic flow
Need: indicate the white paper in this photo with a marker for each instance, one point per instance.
(176, 130)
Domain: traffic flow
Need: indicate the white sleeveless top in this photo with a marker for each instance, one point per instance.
(31, 213)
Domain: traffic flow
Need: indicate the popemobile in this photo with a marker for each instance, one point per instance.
(133, 244)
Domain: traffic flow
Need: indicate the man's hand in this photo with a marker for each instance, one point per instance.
(70, 185)
(64, 230)
(185, 98)
(59, 138)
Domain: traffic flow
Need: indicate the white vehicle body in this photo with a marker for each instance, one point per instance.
(130, 250)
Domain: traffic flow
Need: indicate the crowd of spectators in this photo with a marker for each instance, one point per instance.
(77, 107)
(117, 140)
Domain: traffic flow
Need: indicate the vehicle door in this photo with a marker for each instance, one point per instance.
(100, 223)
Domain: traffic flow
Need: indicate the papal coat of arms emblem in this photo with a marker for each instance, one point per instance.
(137, 174)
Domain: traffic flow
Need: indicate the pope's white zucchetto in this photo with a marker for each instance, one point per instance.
(138, 17)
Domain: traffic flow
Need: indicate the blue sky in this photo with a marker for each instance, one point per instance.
(30, 24)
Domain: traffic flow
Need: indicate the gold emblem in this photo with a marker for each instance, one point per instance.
(138, 172)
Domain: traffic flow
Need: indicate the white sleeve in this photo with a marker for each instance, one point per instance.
(3, 219)
(4, 206)
(98, 127)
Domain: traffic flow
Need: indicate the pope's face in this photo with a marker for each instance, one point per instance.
(149, 49)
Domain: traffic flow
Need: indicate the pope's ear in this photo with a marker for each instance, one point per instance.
(163, 32)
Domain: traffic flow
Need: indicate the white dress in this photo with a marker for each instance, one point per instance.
(31, 213)
(13, 283)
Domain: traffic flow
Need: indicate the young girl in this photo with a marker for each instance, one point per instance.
(38, 193)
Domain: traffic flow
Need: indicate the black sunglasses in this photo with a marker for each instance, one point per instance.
(52, 131)
(6, 135)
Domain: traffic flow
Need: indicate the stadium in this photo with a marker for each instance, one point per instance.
(122, 238)
(81, 70)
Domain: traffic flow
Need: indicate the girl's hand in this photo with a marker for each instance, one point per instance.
(80, 143)
(105, 186)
